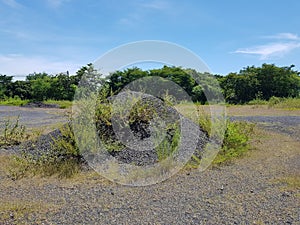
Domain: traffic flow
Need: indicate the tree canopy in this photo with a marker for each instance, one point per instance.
(248, 84)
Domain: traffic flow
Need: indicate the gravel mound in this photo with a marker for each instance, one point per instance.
(141, 131)
(137, 146)
(40, 105)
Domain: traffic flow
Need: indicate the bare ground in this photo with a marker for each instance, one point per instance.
(263, 187)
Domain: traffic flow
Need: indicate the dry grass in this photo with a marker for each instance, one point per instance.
(14, 212)
(260, 110)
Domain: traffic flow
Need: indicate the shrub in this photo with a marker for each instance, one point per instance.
(13, 133)
(273, 101)
(236, 141)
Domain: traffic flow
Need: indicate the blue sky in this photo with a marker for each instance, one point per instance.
(60, 35)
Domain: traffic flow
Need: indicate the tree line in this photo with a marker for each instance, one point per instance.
(248, 84)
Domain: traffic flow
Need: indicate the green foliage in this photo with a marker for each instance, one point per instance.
(168, 147)
(257, 101)
(15, 101)
(65, 147)
(5, 82)
(285, 103)
(273, 101)
(236, 141)
(13, 133)
(64, 159)
(250, 83)
(261, 83)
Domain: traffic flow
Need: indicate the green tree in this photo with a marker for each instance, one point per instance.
(5, 82)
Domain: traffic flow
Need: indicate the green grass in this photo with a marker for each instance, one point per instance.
(258, 102)
(236, 141)
(16, 101)
(286, 103)
(279, 103)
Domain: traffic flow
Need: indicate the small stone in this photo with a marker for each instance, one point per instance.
(286, 194)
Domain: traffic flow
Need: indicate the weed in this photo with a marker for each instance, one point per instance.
(236, 141)
(16, 101)
(13, 133)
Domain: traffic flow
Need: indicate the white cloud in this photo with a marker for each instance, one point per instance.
(286, 42)
(12, 3)
(20, 66)
(284, 36)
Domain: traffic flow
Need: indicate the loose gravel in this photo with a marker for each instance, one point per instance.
(251, 190)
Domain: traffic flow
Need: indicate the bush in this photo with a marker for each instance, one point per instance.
(257, 102)
(52, 154)
(236, 141)
(287, 103)
(13, 133)
(273, 101)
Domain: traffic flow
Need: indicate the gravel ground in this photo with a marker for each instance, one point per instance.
(288, 125)
(32, 117)
(251, 190)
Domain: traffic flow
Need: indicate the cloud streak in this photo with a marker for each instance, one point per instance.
(286, 42)
(285, 36)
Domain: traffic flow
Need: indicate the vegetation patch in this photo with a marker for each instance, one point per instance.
(13, 133)
(15, 101)
(15, 212)
(236, 141)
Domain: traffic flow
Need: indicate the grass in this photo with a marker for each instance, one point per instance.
(287, 103)
(292, 181)
(236, 141)
(65, 158)
(279, 103)
(258, 102)
(16, 101)
(16, 212)
(236, 138)
(13, 133)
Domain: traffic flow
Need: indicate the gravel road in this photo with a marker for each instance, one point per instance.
(252, 190)
(287, 125)
(32, 117)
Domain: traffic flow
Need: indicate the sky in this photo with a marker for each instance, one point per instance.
(56, 36)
